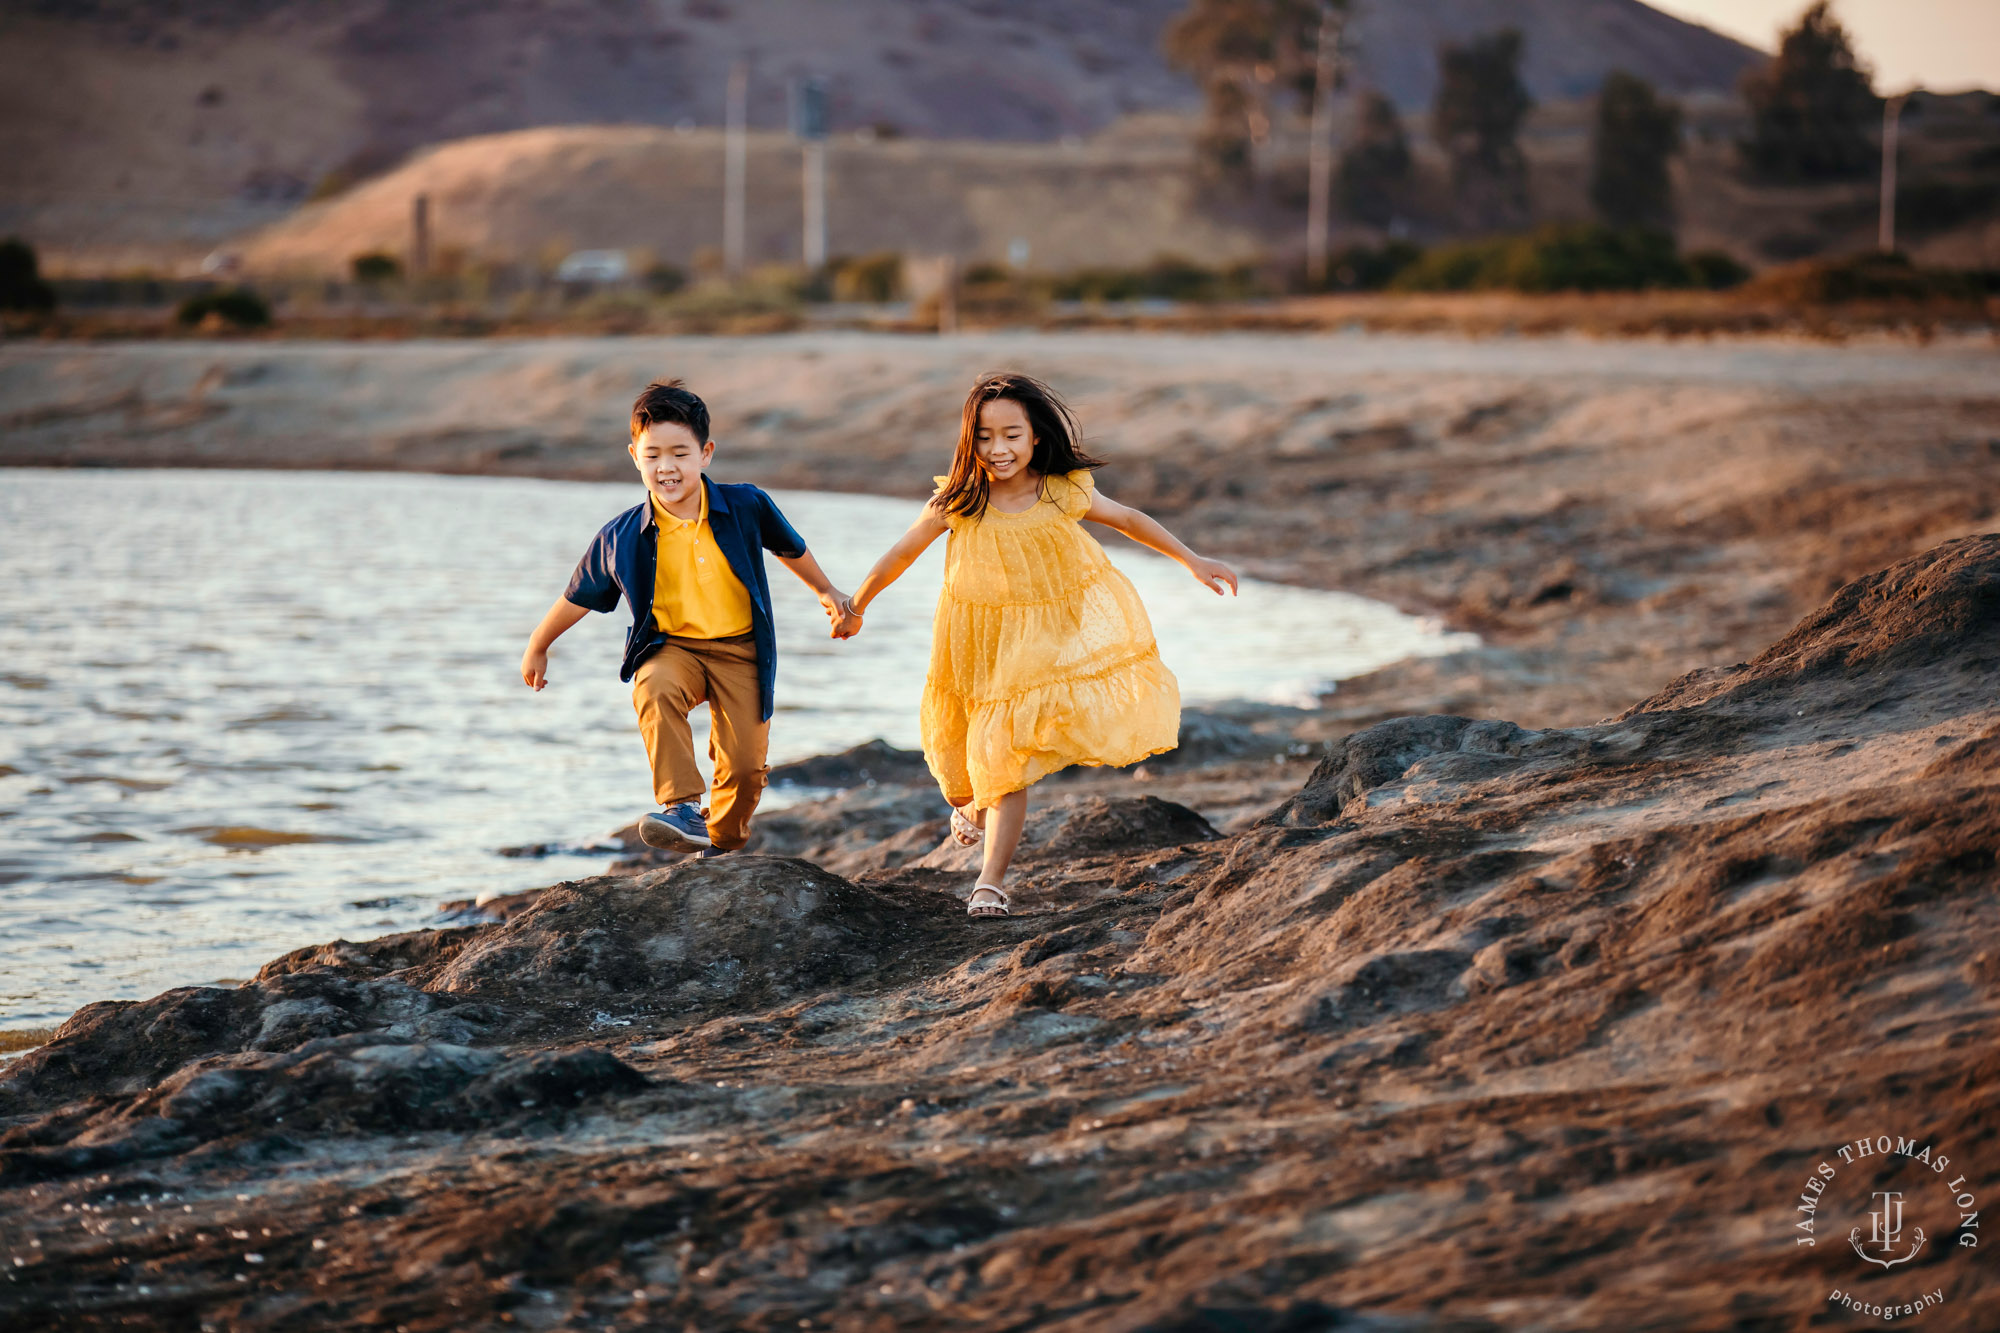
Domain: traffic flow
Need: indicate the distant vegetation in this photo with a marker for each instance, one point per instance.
(1168, 278)
(1812, 109)
(230, 307)
(1253, 60)
(1874, 277)
(877, 277)
(1572, 257)
(21, 285)
(1636, 137)
(376, 267)
(1373, 180)
(1476, 117)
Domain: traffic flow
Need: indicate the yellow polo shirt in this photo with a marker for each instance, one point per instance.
(696, 595)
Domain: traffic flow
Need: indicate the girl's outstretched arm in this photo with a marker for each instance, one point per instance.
(930, 526)
(1146, 530)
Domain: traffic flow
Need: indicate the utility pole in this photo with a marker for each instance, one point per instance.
(1892, 119)
(734, 154)
(1319, 153)
(420, 235)
(809, 123)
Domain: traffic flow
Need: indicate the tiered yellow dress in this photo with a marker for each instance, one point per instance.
(1041, 655)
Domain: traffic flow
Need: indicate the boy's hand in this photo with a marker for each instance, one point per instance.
(837, 607)
(1213, 574)
(534, 669)
(847, 625)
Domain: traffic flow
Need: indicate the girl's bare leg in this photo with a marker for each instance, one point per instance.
(1003, 834)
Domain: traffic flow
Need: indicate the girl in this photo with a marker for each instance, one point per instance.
(1041, 656)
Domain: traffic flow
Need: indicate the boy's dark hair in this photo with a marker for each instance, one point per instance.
(671, 402)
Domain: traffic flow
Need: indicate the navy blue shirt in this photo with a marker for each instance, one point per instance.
(623, 558)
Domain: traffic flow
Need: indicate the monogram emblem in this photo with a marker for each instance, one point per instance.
(1885, 1227)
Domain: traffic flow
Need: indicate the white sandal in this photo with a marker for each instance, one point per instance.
(994, 906)
(963, 831)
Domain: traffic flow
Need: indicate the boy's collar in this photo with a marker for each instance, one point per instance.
(713, 502)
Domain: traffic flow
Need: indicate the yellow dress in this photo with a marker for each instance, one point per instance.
(1041, 654)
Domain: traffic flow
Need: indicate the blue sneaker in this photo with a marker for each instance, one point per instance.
(678, 828)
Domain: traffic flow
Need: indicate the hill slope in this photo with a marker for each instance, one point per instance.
(132, 119)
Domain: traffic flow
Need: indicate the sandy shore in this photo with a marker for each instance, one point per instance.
(1608, 514)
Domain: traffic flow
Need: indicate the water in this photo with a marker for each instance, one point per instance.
(243, 712)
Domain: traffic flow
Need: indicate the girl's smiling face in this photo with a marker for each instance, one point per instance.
(1005, 442)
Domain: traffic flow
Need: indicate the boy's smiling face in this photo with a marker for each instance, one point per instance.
(670, 461)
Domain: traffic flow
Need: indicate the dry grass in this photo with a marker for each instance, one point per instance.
(14, 1041)
(1473, 314)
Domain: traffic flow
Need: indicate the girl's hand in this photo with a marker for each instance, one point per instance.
(848, 625)
(1212, 574)
(534, 669)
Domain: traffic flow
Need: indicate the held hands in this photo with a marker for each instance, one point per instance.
(839, 608)
(534, 669)
(1212, 574)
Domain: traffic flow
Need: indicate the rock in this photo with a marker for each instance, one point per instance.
(353, 1084)
(1087, 826)
(124, 1046)
(871, 761)
(704, 933)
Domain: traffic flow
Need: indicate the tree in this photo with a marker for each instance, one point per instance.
(1476, 117)
(1637, 135)
(21, 285)
(1811, 106)
(1375, 168)
(1248, 55)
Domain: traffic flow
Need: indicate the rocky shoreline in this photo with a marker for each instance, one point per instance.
(1477, 1027)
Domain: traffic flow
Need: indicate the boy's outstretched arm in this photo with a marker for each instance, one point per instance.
(930, 526)
(830, 597)
(1146, 530)
(535, 662)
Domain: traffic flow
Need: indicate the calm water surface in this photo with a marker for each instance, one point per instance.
(242, 712)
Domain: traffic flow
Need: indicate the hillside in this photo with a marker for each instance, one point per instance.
(127, 123)
(518, 201)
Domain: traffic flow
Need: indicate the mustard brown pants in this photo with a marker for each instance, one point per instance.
(722, 673)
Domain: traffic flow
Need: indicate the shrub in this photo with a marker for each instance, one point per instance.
(1715, 270)
(877, 277)
(1874, 277)
(1577, 257)
(1585, 258)
(376, 266)
(21, 285)
(238, 307)
(1367, 268)
(663, 279)
(1168, 278)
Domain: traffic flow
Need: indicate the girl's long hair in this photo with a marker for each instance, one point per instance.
(1057, 451)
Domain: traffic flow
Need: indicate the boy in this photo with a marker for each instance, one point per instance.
(688, 563)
